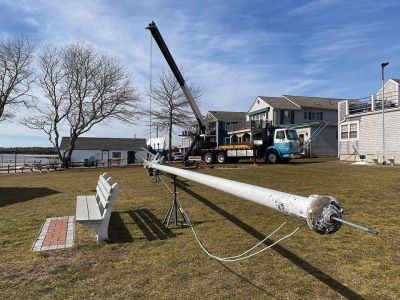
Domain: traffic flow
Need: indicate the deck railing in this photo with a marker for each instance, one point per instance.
(373, 103)
(246, 125)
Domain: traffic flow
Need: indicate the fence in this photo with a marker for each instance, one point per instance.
(15, 162)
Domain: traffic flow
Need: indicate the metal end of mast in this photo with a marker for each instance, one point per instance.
(363, 228)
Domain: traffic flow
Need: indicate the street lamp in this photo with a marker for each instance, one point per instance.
(383, 65)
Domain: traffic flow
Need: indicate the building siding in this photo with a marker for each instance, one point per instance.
(370, 134)
(80, 155)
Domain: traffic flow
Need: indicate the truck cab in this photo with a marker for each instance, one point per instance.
(285, 146)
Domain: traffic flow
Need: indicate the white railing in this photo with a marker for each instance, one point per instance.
(373, 103)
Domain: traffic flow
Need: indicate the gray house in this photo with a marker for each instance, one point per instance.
(106, 150)
(303, 112)
(218, 122)
(370, 130)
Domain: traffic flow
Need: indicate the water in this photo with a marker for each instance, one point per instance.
(9, 159)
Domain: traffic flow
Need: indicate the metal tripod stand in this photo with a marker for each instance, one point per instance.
(172, 214)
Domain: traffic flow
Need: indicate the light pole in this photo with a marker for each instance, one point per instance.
(383, 65)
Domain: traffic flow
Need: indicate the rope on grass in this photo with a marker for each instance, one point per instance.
(243, 255)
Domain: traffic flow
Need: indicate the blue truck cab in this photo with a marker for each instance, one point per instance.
(285, 146)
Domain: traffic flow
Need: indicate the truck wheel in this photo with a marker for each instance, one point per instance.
(221, 158)
(208, 158)
(272, 157)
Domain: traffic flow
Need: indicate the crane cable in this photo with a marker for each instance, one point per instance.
(150, 83)
(243, 255)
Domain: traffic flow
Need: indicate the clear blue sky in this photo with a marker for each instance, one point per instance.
(235, 50)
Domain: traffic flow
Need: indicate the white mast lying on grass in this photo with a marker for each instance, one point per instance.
(323, 214)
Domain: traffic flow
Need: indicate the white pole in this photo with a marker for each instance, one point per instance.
(318, 211)
(383, 117)
(383, 65)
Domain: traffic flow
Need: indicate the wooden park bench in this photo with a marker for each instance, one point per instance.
(95, 210)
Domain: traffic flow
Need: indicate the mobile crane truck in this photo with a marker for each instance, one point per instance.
(278, 143)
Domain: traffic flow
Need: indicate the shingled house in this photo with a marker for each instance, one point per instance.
(303, 113)
(114, 150)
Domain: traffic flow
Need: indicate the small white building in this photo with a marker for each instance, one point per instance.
(121, 151)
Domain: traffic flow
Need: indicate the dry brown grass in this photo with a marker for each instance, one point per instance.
(143, 262)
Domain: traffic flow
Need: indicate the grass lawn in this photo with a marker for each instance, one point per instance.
(144, 261)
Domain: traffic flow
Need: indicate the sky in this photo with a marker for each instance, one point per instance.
(234, 50)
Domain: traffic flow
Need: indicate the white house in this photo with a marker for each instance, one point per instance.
(366, 128)
(114, 150)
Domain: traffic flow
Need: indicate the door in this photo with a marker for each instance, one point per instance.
(131, 157)
(105, 157)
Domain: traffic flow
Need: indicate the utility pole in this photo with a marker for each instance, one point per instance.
(383, 65)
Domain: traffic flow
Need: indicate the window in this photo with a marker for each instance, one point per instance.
(344, 132)
(353, 131)
(305, 115)
(116, 155)
(227, 140)
(227, 123)
(349, 131)
(291, 134)
(287, 117)
(280, 135)
(314, 115)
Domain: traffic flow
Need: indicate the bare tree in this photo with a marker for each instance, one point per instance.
(171, 106)
(49, 116)
(16, 74)
(82, 88)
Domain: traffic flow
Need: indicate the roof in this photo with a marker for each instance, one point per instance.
(315, 102)
(228, 115)
(279, 103)
(92, 143)
(396, 80)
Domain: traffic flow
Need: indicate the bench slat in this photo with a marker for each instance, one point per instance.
(81, 209)
(93, 209)
(87, 209)
(101, 197)
(105, 183)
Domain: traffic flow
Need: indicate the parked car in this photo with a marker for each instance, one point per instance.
(177, 156)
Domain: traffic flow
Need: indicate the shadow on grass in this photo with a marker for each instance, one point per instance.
(151, 227)
(13, 195)
(117, 230)
(243, 278)
(298, 261)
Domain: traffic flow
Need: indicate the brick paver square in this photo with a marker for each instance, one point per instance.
(55, 233)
